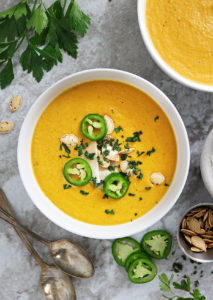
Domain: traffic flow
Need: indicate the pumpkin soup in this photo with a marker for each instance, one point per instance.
(182, 33)
(104, 152)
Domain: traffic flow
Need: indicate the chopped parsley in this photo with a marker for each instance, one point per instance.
(148, 188)
(135, 137)
(111, 168)
(156, 118)
(136, 214)
(106, 152)
(126, 146)
(66, 156)
(131, 194)
(151, 151)
(111, 212)
(105, 196)
(124, 156)
(140, 176)
(132, 164)
(118, 129)
(84, 193)
(140, 198)
(81, 147)
(66, 148)
(140, 153)
(177, 267)
(66, 186)
(94, 179)
(116, 146)
(166, 184)
(99, 161)
(89, 155)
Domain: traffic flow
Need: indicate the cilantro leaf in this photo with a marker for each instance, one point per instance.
(184, 285)
(165, 282)
(6, 74)
(77, 19)
(38, 20)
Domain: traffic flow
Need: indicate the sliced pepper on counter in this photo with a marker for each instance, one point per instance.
(77, 171)
(132, 257)
(122, 248)
(142, 270)
(157, 243)
(116, 185)
(94, 127)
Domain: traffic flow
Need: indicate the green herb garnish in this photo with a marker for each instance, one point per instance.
(66, 148)
(166, 184)
(126, 146)
(124, 156)
(156, 118)
(118, 129)
(140, 198)
(84, 193)
(148, 188)
(107, 211)
(89, 155)
(116, 146)
(45, 31)
(140, 176)
(99, 161)
(111, 168)
(105, 196)
(135, 137)
(66, 156)
(177, 267)
(140, 153)
(151, 151)
(94, 179)
(131, 194)
(81, 147)
(67, 186)
(185, 285)
(106, 152)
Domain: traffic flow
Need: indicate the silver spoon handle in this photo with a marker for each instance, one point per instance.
(4, 204)
(10, 219)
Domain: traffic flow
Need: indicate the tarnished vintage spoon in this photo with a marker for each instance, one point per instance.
(56, 285)
(67, 255)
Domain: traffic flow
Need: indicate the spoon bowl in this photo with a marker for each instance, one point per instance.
(56, 285)
(71, 258)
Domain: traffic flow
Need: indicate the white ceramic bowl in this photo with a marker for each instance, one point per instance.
(54, 213)
(158, 59)
(206, 166)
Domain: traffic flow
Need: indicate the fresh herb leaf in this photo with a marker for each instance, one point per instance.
(135, 137)
(89, 155)
(67, 186)
(46, 31)
(156, 118)
(140, 198)
(94, 180)
(118, 129)
(84, 193)
(107, 211)
(106, 152)
(105, 196)
(124, 156)
(126, 146)
(116, 146)
(184, 285)
(99, 161)
(165, 282)
(131, 194)
(148, 188)
(140, 176)
(66, 148)
(177, 267)
(166, 184)
(111, 168)
(140, 153)
(151, 151)
(81, 147)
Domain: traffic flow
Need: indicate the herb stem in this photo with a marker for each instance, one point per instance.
(34, 5)
(64, 6)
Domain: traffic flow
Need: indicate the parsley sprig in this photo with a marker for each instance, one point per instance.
(185, 285)
(46, 31)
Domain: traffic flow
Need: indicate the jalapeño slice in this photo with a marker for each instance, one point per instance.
(133, 256)
(157, 243)
(122, 248)
(77, 171)
(94, 127)
(142, 270)
(116, 185)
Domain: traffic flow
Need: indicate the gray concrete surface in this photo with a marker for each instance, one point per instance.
(113, 41)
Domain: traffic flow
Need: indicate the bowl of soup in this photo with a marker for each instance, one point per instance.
(148, 135)
(179, 37)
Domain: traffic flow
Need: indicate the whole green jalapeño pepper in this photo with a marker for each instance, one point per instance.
(94, 127)
(122, 248)
(132, 257)
(77, 171)
(142, 270)
(116, 185)
(157, 243)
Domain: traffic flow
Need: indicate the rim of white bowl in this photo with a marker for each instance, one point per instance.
(54, 213)
(206, 165)
(158, 59)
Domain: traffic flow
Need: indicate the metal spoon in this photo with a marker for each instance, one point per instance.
(67, 255)
(56, 285)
